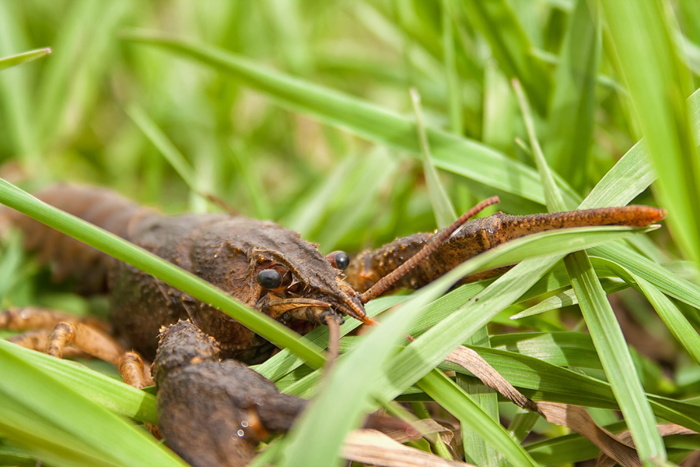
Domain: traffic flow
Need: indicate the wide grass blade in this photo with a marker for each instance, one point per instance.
(62, 425)
(109, 393)
(659, 83)
(669, 313)
(614, 355)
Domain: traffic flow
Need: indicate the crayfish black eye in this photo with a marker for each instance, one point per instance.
(269, 278)
(339, 260)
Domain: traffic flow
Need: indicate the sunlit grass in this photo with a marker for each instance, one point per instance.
(300, 112)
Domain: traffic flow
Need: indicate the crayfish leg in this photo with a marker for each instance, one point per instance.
(36, 340)
(69, 333)
(86, 338)
(33, 318)
(134, 371)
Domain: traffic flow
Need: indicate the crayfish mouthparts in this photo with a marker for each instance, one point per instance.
(314, 310)
(316, 314)
(321, 313)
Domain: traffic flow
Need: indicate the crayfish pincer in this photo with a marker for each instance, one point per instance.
(199, 349)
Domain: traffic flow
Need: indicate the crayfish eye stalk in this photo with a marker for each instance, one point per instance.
(433, 244)
(339, 260)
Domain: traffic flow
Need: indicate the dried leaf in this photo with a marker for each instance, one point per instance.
(626, 437)
(375, 448)
(574, 417)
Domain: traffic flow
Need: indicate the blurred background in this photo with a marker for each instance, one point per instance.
(318, 131)
(83, 114)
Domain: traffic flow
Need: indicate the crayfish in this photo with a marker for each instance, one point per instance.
(198, 350)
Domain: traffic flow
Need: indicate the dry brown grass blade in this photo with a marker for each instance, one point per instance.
(580, 421)
(375, 448)
(574, 417)
(472, 361)
(426, 427)
(625, 436)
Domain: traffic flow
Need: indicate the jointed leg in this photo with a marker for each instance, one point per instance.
(59, 334)
(85, 338)
(134, 371)
(36, 340)
(32, 318)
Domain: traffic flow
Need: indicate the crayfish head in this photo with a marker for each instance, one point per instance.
(276, 272)
(309, 289)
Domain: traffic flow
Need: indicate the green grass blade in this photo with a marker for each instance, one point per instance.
(430, 349)
(341, 384)
(679, 326)
(174, 157)
(81, 428)
(243, 158)
(80, 55)
(634, 168)
(500, 114)
(659, 83)
(674, 320)
(567, 298)
(445, 213)
(454, 101)
(15, 89)
(511, 47)
(14, 60)
(452, 398)
(284, 361)
(109, 393)
(614, 355)
(570, 130)
(541, 380)
(555, 201)
(668, 282)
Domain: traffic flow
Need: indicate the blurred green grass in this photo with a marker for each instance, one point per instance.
(300, 112)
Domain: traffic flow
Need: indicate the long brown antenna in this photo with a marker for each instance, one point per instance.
(433, 244)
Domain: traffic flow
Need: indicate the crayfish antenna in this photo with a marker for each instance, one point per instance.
(433, 244)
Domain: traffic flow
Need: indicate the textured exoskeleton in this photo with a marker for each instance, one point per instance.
(231, 251)
(265, 266)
